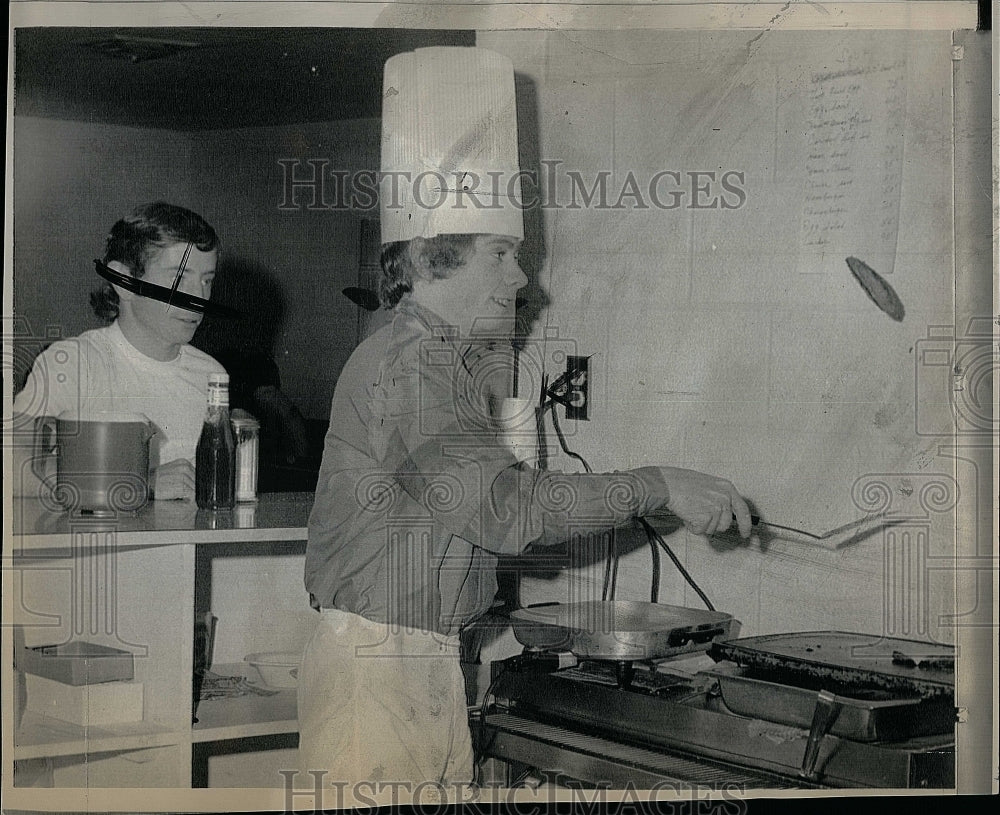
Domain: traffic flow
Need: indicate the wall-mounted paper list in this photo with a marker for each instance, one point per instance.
(855, 115)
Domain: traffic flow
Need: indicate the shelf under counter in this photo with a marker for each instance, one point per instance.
(245, 716)
(41, 736)
(281, 516)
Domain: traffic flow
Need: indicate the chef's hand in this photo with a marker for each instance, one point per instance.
(705, 503)
(172, 480)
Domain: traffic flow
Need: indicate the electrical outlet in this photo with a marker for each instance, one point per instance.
(578, 387)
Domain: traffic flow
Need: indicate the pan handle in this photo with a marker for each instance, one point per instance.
(679, 638)
(825, 714)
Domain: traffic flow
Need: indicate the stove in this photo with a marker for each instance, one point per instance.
(646, 724)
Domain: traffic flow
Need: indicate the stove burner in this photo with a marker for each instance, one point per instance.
(651, 705)
(623, 673)
(634, 677)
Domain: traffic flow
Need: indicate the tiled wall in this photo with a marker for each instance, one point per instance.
(717, 344)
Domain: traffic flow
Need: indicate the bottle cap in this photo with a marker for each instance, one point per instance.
(243, 418)
(218, 379)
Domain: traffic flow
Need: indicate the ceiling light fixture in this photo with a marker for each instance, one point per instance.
(139, 49)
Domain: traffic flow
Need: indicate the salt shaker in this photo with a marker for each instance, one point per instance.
(246, 429)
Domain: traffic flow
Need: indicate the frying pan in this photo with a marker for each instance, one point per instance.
(620, 629)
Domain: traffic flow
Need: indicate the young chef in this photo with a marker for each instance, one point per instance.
(141, 362)
(416, 496)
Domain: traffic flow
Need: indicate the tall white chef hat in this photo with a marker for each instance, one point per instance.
(449, 145)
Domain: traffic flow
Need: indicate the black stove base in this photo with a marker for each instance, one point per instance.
(583, 713)
(575, 759)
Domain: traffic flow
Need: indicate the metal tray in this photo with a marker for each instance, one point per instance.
(868, 716)
(620, 629)
(845, 663)
(78, 663)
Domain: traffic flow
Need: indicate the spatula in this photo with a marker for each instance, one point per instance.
(836, 538)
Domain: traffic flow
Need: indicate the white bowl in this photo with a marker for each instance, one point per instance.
(277, 669)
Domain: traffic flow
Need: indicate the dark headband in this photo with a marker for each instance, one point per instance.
(180, 299)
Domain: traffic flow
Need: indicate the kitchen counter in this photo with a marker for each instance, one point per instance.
(135, 583)
(274, 517)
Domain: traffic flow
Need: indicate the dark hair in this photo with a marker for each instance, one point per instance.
(133, 241)
(443, 254)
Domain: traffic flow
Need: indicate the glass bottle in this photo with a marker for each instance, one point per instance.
(215, 459)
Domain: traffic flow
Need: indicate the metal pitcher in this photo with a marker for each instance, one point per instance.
(102, 460)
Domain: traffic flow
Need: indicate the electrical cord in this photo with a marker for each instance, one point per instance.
(611, 567)
(607, 575)
(610, 585)
(613, 554)
(654, 554)
(508, 665)
(670, 553)
(562, 439)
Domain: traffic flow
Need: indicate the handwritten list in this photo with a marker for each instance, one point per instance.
(855, 117)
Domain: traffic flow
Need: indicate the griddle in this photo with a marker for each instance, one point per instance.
(864, 715)
(559, 719)
(868, 687)
(845, 663)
